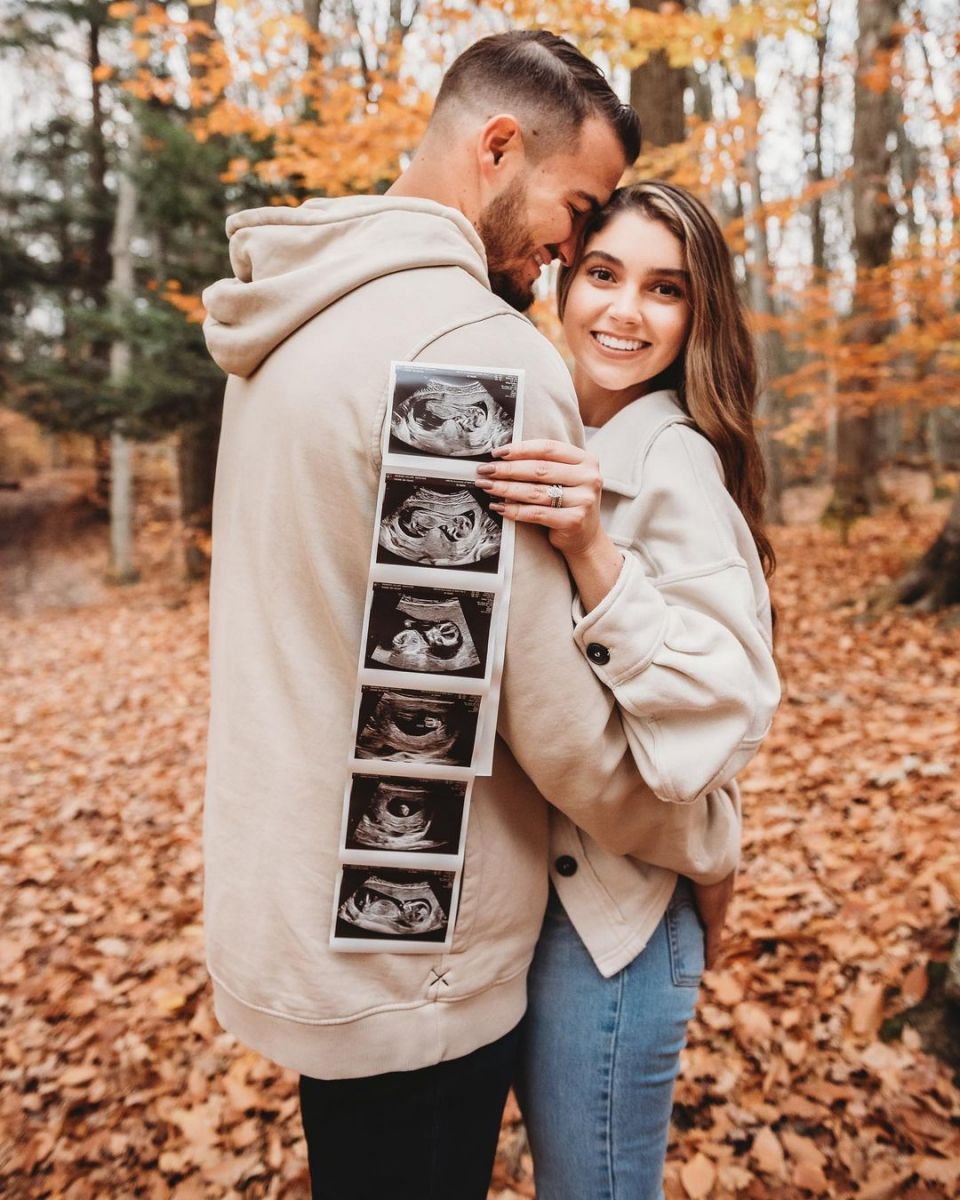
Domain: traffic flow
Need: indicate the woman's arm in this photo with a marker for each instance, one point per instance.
(675, 632)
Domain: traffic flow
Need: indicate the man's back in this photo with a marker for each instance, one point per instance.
(293, 522)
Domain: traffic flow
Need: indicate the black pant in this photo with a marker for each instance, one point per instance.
(429, 1134)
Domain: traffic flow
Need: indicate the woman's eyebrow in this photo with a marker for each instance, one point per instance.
(604, 256)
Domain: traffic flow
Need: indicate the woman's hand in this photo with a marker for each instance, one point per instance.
(521, 480)
(713, 900)
(521, 483)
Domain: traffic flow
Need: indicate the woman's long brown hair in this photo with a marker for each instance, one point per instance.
(715, 375)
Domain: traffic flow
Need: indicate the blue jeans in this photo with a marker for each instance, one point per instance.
(599, 1057)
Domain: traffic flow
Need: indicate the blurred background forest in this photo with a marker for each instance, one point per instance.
(825, 134)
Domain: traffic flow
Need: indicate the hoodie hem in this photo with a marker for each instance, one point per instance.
(387, 1040)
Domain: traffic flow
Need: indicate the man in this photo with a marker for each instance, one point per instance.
(405, 1059)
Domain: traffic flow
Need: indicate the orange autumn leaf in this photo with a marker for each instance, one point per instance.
(698, 1177)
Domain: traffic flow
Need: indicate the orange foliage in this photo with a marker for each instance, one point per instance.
(340, 109)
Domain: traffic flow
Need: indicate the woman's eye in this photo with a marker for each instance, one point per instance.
(603, 274)
(668, 289)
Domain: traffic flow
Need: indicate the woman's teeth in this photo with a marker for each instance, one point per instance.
(618, 343)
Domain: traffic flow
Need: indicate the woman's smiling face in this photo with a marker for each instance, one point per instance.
(628, 308)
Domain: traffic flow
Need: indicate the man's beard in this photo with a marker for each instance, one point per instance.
(502, 229)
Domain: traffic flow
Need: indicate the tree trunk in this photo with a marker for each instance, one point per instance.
(99, 192)
(760, 298)
(656, 92)
(122, 569)
(197, 443)
(101, 477)
(197, 462)
(856, 491)
(818, 248)
(855, 483)
(99, 250)
(933, 581)
(952, 985)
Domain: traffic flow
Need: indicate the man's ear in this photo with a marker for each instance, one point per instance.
(500, 149)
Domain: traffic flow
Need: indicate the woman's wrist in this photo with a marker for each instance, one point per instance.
(595, 569)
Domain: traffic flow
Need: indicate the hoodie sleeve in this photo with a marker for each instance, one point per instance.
(561, 722)
(679, 639)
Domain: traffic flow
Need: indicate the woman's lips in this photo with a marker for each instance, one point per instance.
(612, 343)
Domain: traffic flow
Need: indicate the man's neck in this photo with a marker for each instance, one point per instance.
(434, 177)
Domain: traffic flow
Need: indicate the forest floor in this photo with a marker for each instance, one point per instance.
(802, 1076)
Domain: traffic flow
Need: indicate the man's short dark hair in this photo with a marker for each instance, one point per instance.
(549, 85)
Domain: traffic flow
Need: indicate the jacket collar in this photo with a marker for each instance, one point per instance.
(622, 443)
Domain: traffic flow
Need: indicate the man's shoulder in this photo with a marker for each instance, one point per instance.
(495, 335)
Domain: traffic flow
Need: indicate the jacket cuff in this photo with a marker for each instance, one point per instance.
(621, 636)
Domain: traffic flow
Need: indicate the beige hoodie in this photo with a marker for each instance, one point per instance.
(325, 296)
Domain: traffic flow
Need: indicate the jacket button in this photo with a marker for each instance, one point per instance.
(598, 654)
(566, 865)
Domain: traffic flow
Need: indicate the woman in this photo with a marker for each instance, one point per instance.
(661, 527)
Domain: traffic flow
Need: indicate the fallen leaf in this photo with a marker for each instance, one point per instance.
(939, 1170)
(767, 1153)
(698, 1177)
(75, 1076)
(726, 988)
(867, 1010)
(810, 1177)
(752, 1024)
(914, 986)
(802, 1149)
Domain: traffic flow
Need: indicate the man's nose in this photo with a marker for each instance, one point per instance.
(566, 250)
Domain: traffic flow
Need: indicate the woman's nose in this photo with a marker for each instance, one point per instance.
(625, 308)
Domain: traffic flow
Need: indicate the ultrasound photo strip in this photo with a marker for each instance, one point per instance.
(431, 658)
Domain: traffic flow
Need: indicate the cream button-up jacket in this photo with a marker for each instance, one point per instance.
(683, 641)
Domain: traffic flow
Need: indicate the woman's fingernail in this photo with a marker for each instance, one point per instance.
(500, 451)
(498, 508)
(485, 485)
(486, 469)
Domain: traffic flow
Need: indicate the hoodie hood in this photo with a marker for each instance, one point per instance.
(291, 263)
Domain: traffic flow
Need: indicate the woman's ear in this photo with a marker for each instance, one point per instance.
(500, 149)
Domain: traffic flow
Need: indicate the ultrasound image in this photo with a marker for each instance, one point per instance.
(449, 417)
(428, 727)
(407, 905)
(438, 523)
(428, 630)
(405, 815)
